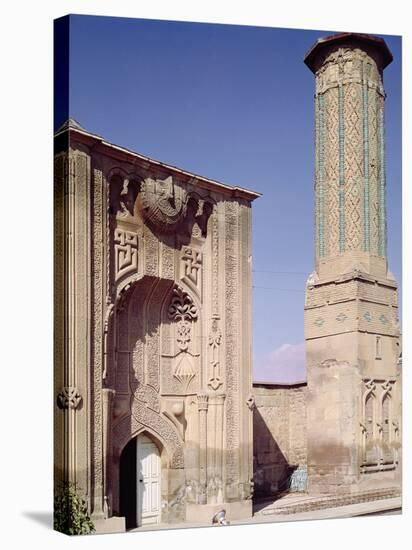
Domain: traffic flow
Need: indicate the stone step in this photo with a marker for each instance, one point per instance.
(309, 503)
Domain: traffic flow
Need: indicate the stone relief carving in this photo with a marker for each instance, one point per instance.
(181, 307)
(164, 202)
(184, 371)
(183, 312)
(215, 339)
(250, 402)
(107, 343)
(151, 252)
(196, 231)
(387, 386)
(125, 252)
(143, 418)
(183, 334)
(97, 332)
(153, 322)
(378, 427)
(232, 373)
(148, 396)
(123, 192)
(167, 260)
(69, 398)
(192, 267)
(347, 65)
(174, 410)
(215, 263)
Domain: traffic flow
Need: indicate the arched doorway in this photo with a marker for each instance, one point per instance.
(140, 476)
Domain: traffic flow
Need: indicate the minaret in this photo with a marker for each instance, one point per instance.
(351, 323)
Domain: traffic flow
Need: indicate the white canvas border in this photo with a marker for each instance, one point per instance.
(26, 274)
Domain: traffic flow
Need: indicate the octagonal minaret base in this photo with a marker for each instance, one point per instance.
(351, 323)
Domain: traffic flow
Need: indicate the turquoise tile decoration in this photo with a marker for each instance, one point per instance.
(382, 187)
(367, 316)
(321, 191)
(341, 317)
(366, 220)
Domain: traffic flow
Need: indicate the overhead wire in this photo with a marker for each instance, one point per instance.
(278, 273)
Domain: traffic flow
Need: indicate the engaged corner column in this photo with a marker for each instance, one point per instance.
(107, 395)
(219, 444)
(202, 406)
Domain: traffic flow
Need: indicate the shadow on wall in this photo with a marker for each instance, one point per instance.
(271, 469)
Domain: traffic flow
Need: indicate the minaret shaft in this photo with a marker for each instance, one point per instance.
(351, 323)
(350, 165)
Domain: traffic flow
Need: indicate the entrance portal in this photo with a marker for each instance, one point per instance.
(140, 474)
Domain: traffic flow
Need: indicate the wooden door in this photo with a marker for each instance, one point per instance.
(148, 481)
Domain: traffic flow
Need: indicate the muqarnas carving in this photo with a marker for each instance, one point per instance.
(166, 206)
(164, 203)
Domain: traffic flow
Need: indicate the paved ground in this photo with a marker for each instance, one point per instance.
(388, 505)
(269, 512)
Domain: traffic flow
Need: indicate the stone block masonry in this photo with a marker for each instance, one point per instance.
(351, 320)
(279, 436)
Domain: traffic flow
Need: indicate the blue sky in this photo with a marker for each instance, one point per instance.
(233, 103)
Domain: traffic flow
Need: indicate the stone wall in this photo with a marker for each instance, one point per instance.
(158, 295)
(279, 438)
(351, 321)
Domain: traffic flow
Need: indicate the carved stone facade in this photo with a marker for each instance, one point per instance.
(351, 322)
(153, 297)
(153, 322)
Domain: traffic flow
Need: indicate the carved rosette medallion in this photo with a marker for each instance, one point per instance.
(183, 334)
(69, 398)
(164, 203)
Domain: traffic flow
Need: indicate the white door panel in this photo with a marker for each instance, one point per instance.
(148, 481)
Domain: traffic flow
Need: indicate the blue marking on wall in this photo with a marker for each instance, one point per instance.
(382, 187)
(321, 191)
(298, 480)
(366, 220)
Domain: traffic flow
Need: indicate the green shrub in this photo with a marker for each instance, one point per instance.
(70, 511)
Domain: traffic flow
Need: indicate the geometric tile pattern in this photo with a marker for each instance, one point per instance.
(368, 316)
(332, 172)
(341, 317)
(353, 165)
(373, 118)
(350, 156)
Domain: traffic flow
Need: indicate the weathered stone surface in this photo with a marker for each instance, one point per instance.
(351, 321)
(153, 294)
(279, 436)
(153, 322)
